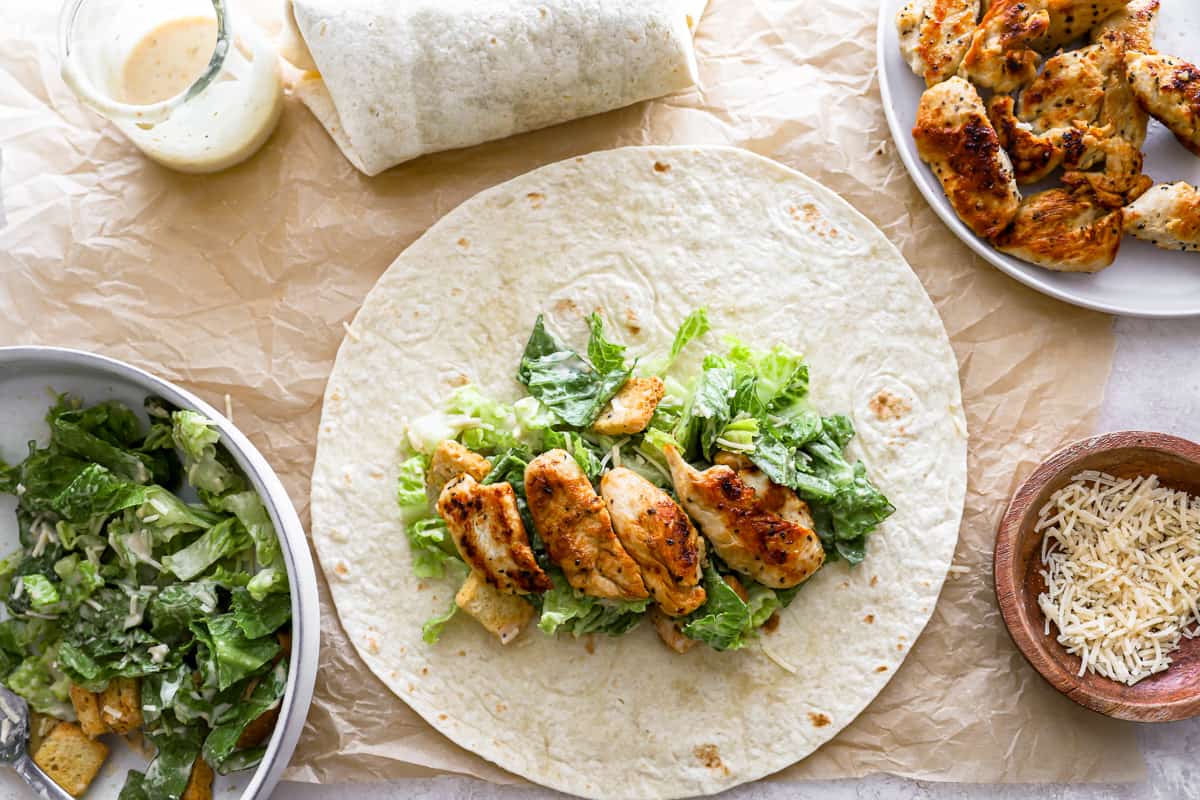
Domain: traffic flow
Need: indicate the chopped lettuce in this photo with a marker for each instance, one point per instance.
(220, 747)
(725, 621)
(258, 618)
(707, 413)
(427, 534)
(694, 326)
(117, 576)
(43, 685)
(573, 389)
(567, 610)
(431, 631)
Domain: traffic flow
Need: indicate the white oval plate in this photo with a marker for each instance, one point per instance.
(1144, 281)
(28, 378)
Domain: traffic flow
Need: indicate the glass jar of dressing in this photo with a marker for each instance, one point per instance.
(193, 85)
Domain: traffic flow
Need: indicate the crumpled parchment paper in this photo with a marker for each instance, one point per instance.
(239, 284)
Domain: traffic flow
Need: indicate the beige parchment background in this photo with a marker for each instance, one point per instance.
(240, 283)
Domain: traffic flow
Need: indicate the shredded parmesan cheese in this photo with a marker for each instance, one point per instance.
(229, 408)
(1122, 572)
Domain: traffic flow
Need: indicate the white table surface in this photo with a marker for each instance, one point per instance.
(1155, 385)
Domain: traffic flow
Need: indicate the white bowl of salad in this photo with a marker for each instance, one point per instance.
(159, 605)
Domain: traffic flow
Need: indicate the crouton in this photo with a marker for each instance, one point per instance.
(200, 782)
(70, 758)
(121, 705)
(631, 408)
(450, 460)
(502, 614)
(87, 709)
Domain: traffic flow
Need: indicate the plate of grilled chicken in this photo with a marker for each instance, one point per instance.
(1059, 139)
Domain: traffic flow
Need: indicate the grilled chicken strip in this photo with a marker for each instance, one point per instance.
(660, 537)
(487, 529)
(1001, 55)
(1169, 89)
(1135, 24)
(1071, 19)
(631, 408)
(577, 529)
(1065, 231)
(771, 496)
(1035, 155)
(1004, 51)
(503, 615)
(1167, 215)
(935, 34)
(1086, 87)
(1120, 181)
(955, 138)
(753, 540)
(450, 460)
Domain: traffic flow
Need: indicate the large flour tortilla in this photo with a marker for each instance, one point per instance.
(392, 80)
(646, 235)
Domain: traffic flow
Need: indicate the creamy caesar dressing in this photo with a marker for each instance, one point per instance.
(168, 60)
(195, 88)
(228, 120)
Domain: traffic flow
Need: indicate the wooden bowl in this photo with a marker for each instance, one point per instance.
(1170, 695)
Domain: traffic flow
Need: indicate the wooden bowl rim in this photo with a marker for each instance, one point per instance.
(1009, 593)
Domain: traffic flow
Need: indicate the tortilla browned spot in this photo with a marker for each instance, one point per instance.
(818, 720)
(888, 406)
(709, 756)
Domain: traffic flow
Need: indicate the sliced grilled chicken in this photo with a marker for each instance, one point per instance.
(577, 529)
(1135, 24)
(487, 529)
(1073, 19)
(1086, 87)
(955, 138)
(450, 460)
(1035, 155)
(1169, 89)
(1119, 182)
(736, 520)
(1167, 215)
(935, 34)
(1064, 231)
(1002, 54)
(771, 496)
(631, 408)
(504, 615)
(659, 536)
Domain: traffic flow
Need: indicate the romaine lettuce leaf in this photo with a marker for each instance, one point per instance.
(569, 611)
(725, 621)
(43, 685)
(223, 539)
(258, 618)
(694, 326)
(271, 577)
(707, 413)
(236, 656)
(571, 388)
(431, 631)
(221, 742)
(167, 775)
(197, 437)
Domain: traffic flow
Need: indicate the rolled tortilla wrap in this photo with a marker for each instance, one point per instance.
(394, 81)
